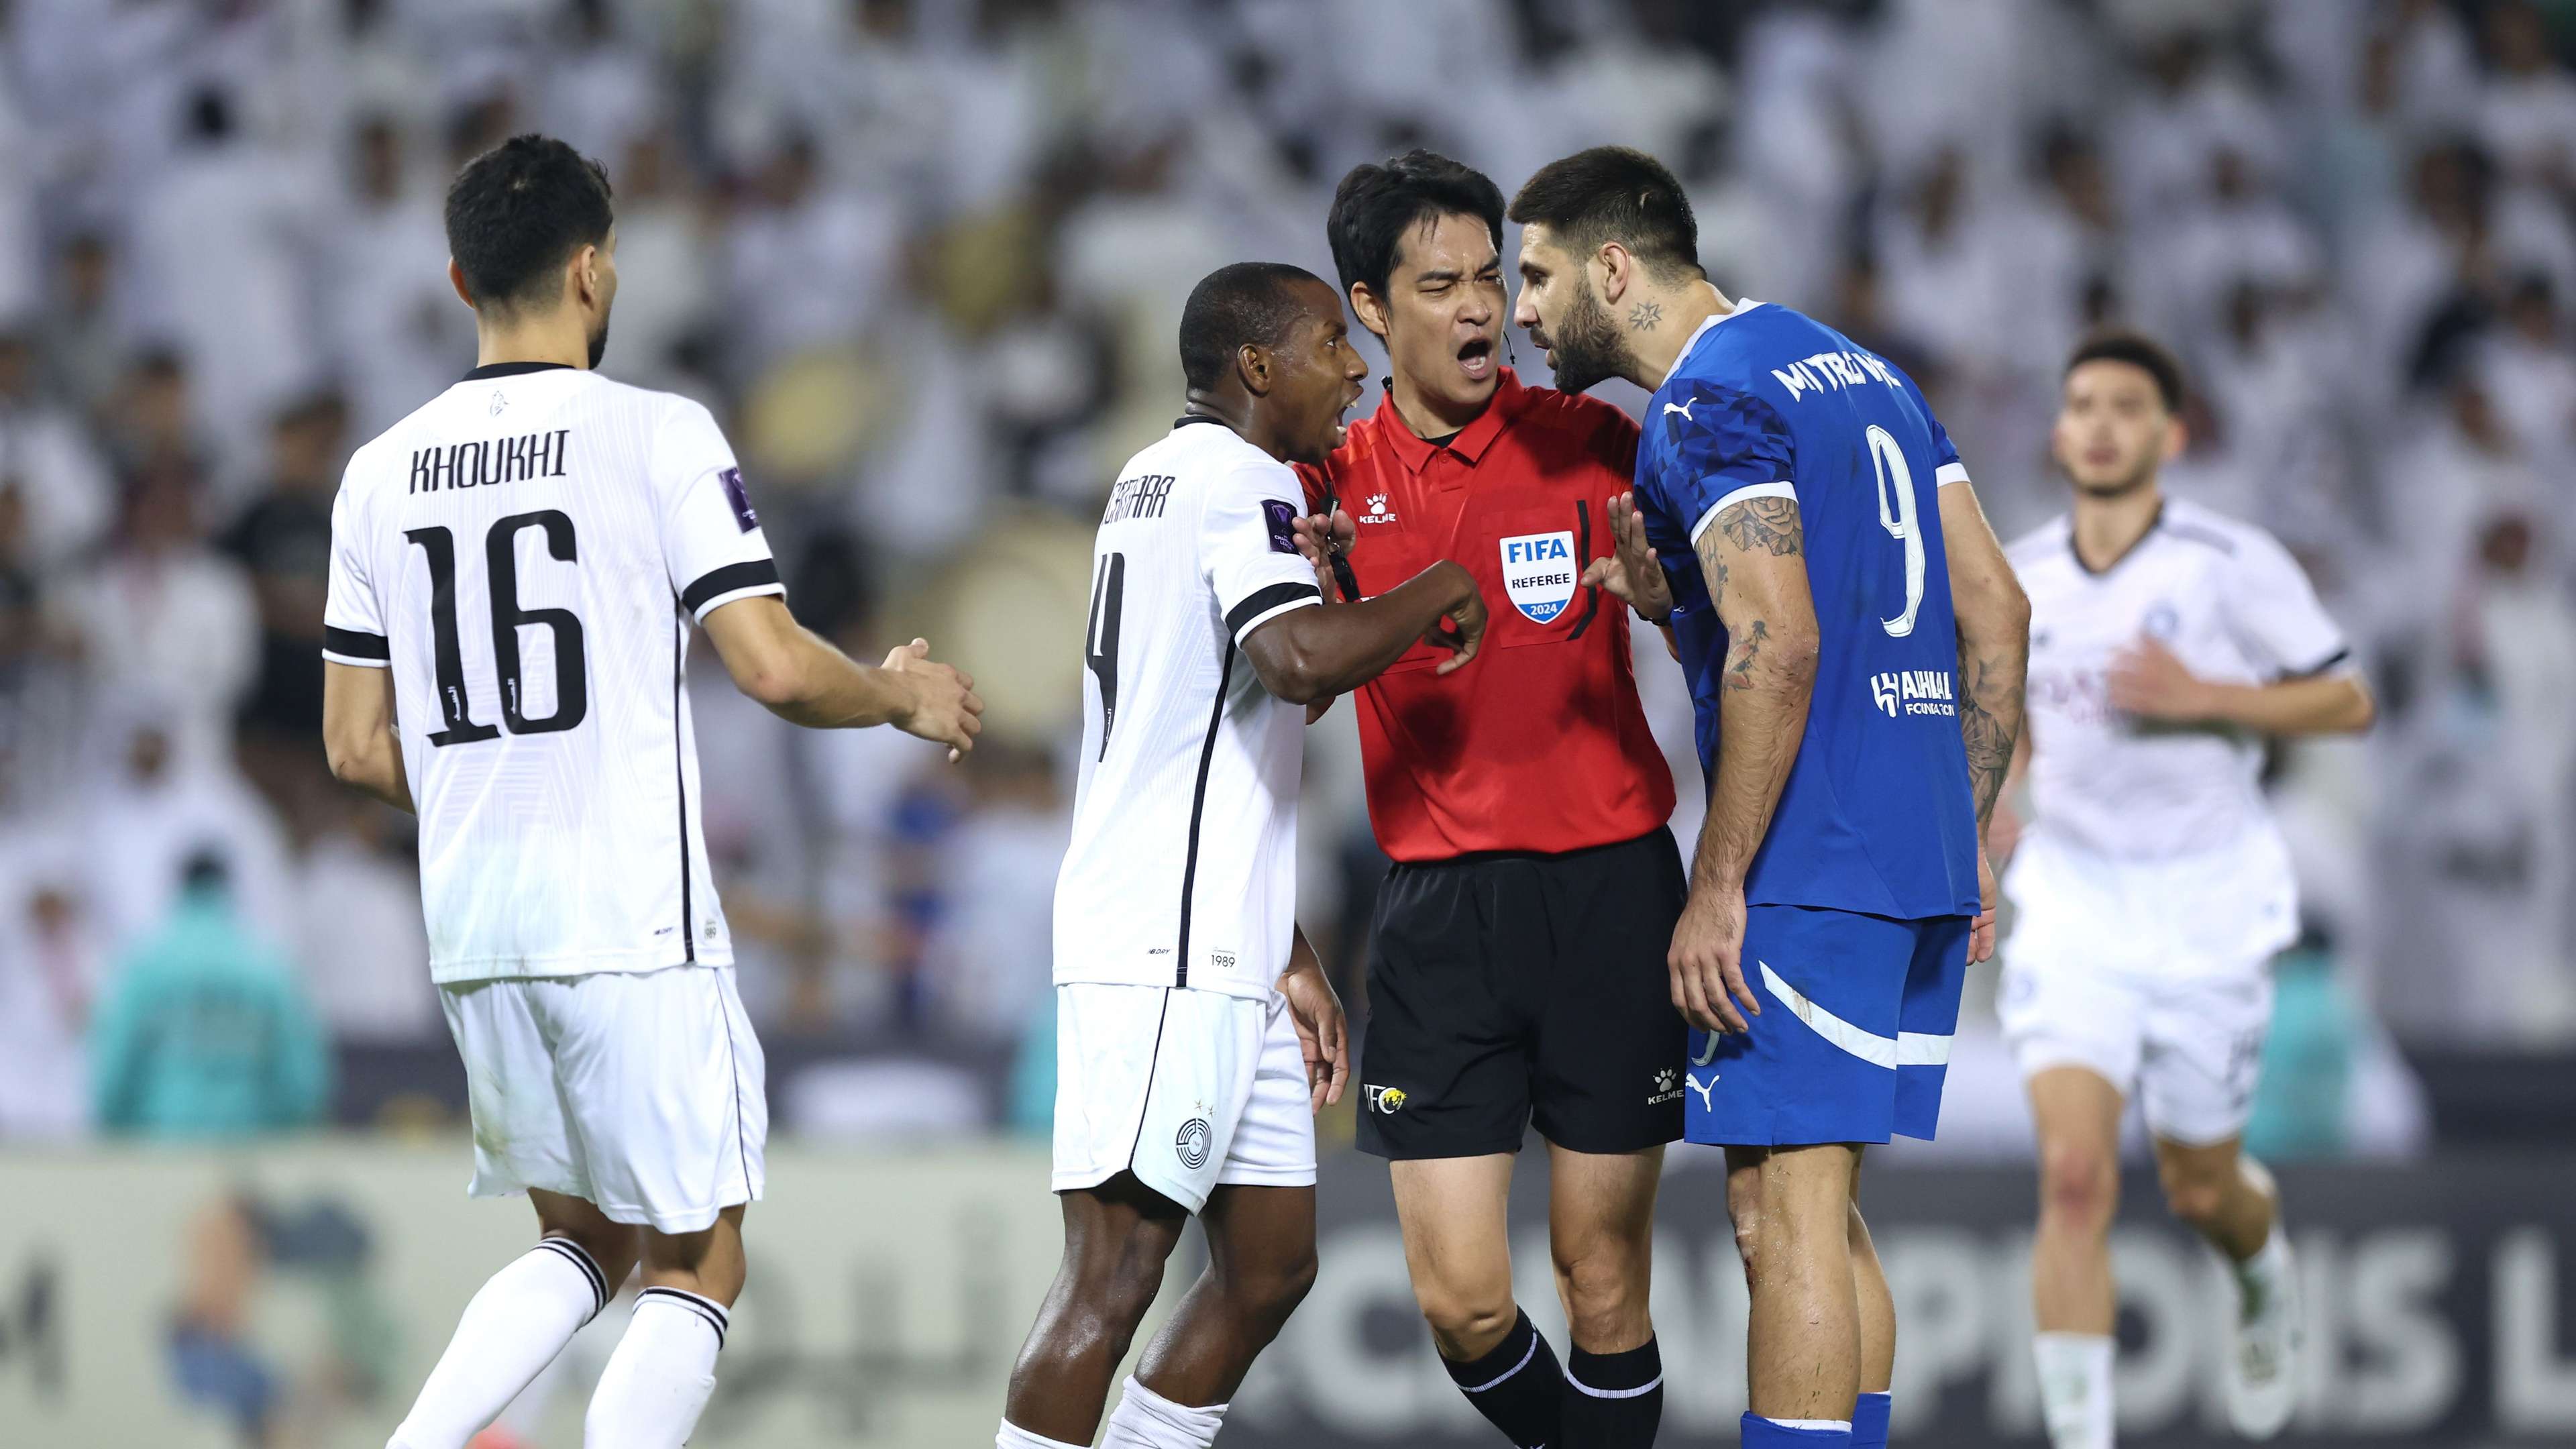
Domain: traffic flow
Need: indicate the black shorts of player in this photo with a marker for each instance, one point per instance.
(1509, 988)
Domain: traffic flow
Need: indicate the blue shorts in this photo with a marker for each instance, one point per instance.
(1854, 1037)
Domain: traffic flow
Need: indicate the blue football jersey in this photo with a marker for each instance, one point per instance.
(1765, 402)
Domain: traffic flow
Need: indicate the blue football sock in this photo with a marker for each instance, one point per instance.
(1762, 1433)
(1869, 1421)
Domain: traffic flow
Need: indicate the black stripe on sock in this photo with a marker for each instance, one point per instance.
(706, 1308)
(580, 1258)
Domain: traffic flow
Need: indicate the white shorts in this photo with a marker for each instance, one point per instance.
(637, 1092)
(1190, 1090)
(2189, 1048)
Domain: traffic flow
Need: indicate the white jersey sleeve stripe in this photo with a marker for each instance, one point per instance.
(1782, 489)
(731, 582)
(1269, 604)
(1949, 473)
(357, 647)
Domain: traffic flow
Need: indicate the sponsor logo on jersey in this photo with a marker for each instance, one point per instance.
(1539, 573)
(1191, 1143)
(1385, 1100)
(1377, 512)
(1912, 691)
(1668, 1087)
(1282, 519)
(744, 517)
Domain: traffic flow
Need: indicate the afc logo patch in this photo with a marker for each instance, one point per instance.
(1282, 519)
(1539, 574)
(1191, 1143)
(1385, 1100)
(739, 497)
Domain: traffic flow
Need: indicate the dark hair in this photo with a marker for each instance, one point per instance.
(2138, 350)
(1376, 205)
(1613, 193)
(1246, 304)
(518, 212)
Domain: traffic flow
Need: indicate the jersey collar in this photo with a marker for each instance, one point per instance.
(1471, 441)
(513, 369)
(1706, 325)
(2154, 526)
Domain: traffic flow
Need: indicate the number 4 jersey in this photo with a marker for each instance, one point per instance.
(1766, 403)
(526, 554)
(1182, 869)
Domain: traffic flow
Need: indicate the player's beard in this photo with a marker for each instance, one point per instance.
(599, 341)
(1588, 347)
(2120, 487)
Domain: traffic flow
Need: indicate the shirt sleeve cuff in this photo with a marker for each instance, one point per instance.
(718, 587)
(356, 647)
(2338, 658)
(1264, 605)
(1949, 473)
(1781, 489)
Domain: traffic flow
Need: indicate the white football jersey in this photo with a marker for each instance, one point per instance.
(527, 553)
(1182, 870)
(2232, 604)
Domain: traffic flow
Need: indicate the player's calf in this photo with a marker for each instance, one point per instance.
(1117, 1239)
(1792, 1213)
(659, 1379)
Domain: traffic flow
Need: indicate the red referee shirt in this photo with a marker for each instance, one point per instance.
(1539, 744)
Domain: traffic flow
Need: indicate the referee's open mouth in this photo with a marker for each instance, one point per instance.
(1476, 358)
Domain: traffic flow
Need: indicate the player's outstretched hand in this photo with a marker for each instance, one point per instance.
(1707, 960)
(1323, 1034)
(1462, 630)
(945, 708)
(1981, 936)
(1631, 571)
(1323, 540)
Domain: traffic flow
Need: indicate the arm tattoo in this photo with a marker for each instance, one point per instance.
(1989, 740)
(1769, 525)
(1740, 657)
(1644, 316)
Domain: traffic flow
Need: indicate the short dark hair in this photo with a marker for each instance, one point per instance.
(518, 212)
(1246, 304)
(2138, 350)
(1376, 205)
(1613, 193)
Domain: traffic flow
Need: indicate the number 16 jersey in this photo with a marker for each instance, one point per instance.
(1182, 869)
(1766, 403)
(527, 553)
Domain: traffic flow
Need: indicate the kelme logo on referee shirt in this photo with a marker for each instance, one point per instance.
(1539, 574)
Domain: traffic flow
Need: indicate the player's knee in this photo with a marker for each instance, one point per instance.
(2079, 1188)
(1119, 1287)
(1272, 1290)
(2196, 1196)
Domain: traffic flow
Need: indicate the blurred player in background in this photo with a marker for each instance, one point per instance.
(2168, 645)
(1516, 962)
(514, 571)
(1196, 1034)
(1829, 570)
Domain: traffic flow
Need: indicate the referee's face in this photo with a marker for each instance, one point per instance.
(1443, 312)
(1318, 376)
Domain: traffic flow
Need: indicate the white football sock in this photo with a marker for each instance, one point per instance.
(512, 1329)
(1146, 1420)
(2268, 1267)
(1015, 1437)
(2075, 1388)
(657, 1382)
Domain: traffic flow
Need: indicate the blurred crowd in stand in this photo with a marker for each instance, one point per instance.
(926, 261)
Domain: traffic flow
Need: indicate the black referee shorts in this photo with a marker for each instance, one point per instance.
(1507, 988)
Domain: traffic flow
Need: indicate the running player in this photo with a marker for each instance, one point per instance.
(1516, 963)
(2168, 645)
(514, 570)
(1854, 643)
(1196, 1033)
